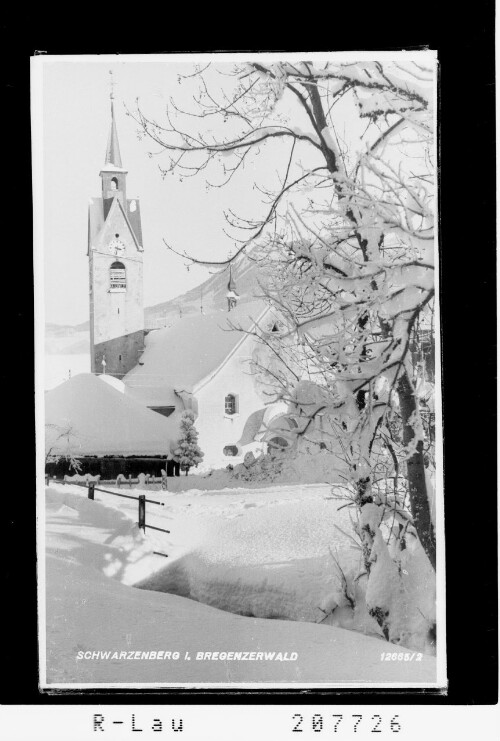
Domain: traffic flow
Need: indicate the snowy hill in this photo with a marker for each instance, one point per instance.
(212, 292)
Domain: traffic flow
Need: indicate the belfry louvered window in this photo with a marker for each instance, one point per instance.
(230, 404)
(117, 276)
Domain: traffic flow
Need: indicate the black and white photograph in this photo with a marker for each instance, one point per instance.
(238, 378)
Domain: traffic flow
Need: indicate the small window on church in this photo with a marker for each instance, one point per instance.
(117, 276)
(230, 404)
(114, 184)
(230, 450)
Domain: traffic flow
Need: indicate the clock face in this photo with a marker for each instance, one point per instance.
(116, 247)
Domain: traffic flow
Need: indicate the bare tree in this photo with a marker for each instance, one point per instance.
(58, 436)
(347, 239)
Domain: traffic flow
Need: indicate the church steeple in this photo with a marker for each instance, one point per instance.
(115, 251)
(113, 156)
(113, 175)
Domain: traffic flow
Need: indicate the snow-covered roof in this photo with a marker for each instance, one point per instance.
(99, 420)
(114, 382)
(108, 167)
(179, 357)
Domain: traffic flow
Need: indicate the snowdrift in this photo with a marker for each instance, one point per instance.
(301, 468)
(281, 552)
(88, 612)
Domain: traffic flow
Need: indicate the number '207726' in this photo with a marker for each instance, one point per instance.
(339, 723)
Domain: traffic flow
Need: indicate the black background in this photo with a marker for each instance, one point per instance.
(465, 45)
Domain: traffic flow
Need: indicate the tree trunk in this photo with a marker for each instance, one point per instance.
(419, 501)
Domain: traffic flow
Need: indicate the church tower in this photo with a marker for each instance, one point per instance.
(115, 254)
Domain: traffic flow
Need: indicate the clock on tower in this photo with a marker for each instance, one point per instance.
(116, 247)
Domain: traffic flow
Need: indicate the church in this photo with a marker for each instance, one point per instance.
(201, 362)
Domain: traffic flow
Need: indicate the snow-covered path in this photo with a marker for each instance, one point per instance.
(88, 542)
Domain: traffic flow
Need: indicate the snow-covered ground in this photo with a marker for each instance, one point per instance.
(299, 468)
(261, 553)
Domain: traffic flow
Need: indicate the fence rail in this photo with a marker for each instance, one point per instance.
(141, 499)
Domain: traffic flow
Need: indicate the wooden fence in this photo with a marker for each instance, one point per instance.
(141, 499)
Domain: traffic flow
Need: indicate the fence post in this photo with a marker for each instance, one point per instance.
(91, 490)
(130, 480)
(142, 511)
(46, 479)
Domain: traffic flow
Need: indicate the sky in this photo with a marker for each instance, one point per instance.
(76, 120)
(71, 121)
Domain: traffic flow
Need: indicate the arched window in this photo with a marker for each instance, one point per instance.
(230, 404)
(230, 450)
(117, 276)
(114, 184)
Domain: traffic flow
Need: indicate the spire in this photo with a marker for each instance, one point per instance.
(113, 156)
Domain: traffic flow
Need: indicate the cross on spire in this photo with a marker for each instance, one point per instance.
(112, 84)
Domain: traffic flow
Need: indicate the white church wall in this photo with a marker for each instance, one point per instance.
(216, 428)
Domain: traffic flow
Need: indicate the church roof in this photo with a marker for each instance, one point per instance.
(178, 358)
(112, 168)
(101, 420)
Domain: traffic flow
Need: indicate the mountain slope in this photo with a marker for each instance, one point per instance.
(211, 294)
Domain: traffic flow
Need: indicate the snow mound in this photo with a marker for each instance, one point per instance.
(264, 559)
(282, 469)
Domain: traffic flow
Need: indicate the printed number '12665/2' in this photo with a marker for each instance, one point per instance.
(339, 723)
(407, 656)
